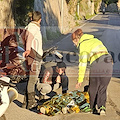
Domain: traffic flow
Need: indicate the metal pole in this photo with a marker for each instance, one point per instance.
(62, 15)
(78, 5)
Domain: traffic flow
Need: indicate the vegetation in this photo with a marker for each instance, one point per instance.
(89, 16)
(52, 35)
(21, 8)
(110, 1)
(67, 1)
(96, 4)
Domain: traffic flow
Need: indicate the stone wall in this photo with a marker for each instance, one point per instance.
(55, 15)
(118, 4)
(62, 16)
(6, 17)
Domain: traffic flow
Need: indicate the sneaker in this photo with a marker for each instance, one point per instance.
(102, 110)
(86, 110)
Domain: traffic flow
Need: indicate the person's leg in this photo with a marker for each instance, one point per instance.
(93, 88)
(64, 83)
(25, 101)
(106, 67)
(102, 69)
(44, 88)
(102, 95)
(33, 78)
(94, 82)
(56, 86)
(101, 99)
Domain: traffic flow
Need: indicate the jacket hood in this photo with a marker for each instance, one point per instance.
(85, 37)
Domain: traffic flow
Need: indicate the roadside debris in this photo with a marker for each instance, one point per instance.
(75, 101)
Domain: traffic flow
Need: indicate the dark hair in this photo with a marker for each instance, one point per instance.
(77, 34)
(36, 16)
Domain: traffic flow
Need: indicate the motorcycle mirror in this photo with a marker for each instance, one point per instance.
(58, 54)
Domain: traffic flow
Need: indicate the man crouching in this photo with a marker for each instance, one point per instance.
(52, 78)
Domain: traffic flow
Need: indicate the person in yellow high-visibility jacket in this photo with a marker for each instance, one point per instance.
(93, 51)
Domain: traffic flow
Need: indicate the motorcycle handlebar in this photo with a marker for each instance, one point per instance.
(50, 50)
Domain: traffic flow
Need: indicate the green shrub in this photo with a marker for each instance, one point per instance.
(21, 8)
(110, 1)
(89, 16)
(52, 35)
(96, 4)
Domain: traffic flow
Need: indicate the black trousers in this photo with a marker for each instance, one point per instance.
(99, 78)
(64, 82)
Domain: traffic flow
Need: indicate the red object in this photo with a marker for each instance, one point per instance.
(0, 61)
(40, 113)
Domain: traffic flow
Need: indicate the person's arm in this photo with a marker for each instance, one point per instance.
(46, 77)
(30, 32)
(26, 53)
(82, 68)
(58, 79)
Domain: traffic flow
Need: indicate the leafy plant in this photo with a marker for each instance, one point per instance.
(110, 1)
(77, 17)
(96, 4)
(21, 8)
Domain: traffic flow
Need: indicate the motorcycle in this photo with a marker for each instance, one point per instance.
(7, 95)
(13, 63)
(103, 10)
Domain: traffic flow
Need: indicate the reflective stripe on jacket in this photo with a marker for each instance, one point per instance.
(90, 49)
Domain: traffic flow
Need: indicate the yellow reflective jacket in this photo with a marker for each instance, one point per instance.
(90, 49)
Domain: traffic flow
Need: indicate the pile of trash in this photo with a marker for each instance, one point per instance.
(74, 101)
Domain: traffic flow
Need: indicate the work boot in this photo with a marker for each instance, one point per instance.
(24, 104)
(31, 100)
(43, 97)
(64, 91)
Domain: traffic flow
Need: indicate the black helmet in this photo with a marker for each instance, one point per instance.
(61, 65)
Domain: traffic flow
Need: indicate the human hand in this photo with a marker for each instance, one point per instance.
(26, 53)
(58, 79)
(78, 85)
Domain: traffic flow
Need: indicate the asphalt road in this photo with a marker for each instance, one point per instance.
(106, 27)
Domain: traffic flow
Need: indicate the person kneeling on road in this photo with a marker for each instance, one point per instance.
(52, 78)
